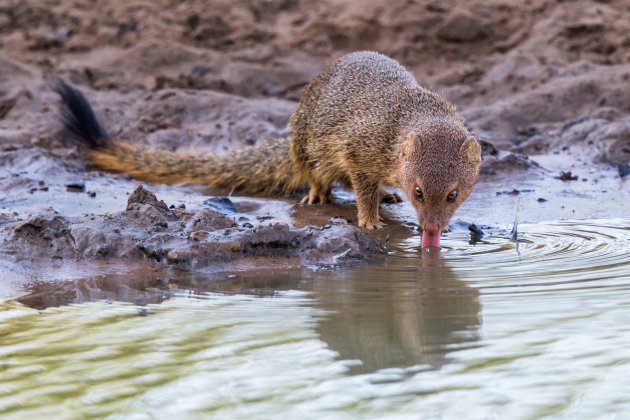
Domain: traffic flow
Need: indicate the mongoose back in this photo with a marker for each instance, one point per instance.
(363, 121)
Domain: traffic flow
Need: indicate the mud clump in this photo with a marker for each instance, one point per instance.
(48, 231)
(461, 26)
(505, 161)
(141, 197)
(209, 220)
(148, 230)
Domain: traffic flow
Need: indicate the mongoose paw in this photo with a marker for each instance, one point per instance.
(391, 198)
(371, 225)
(318, 199)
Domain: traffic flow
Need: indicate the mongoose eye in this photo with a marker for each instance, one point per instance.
(419, 194)
(451, 196)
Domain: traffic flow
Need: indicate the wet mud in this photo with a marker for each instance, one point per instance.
(544, 85)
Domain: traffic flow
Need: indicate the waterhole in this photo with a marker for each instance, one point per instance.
(499, 329)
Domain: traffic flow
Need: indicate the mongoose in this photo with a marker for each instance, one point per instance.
(363, 121)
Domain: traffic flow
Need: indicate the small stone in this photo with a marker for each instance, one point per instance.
(475, 234)
(567, 176)
(221, 204)
(75, 187)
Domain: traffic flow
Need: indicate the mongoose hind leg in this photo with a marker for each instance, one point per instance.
(368, 196)
(318, 194)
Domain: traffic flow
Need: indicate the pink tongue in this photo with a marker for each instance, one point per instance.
(431, 239)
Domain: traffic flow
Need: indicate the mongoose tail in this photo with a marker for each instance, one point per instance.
(263, 169)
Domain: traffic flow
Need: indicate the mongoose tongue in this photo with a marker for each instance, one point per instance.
(431, 236)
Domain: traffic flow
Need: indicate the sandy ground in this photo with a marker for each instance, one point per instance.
(545, 85)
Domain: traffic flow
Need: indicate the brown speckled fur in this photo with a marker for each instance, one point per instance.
(351, 126)
(264, 169)
(364, 122)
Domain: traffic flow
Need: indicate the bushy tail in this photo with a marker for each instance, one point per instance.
(262, 169)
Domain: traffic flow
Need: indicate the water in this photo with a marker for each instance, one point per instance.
(480, 332)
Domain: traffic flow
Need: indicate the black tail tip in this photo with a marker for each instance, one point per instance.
(78, 116)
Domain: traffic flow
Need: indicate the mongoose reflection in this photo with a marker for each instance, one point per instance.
(363, 122)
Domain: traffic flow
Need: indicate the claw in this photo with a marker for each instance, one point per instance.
(372, 225)
(318, 198)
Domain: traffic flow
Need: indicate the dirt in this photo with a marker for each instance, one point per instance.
(544, 85)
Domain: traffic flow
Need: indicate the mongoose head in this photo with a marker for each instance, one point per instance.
(439, 167)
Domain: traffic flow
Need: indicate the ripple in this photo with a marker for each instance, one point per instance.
(490, 330)
(553, 256)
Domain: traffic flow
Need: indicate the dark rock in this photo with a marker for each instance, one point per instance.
(476, 234)
(75, 187)
(567, 176)
(221, 204)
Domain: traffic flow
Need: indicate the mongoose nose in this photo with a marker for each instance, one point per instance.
(431, 228)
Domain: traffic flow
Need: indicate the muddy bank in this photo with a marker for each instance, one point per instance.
(543, 84)
(177, 238)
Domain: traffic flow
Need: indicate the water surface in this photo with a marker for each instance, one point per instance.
(490, 330)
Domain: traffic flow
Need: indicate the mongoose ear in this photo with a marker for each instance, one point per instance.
(471, 151)
(407, 145)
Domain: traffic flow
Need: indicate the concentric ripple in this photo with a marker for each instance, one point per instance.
(548, 257)
(537, 329)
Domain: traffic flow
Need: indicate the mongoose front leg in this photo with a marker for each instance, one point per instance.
(368, 199)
